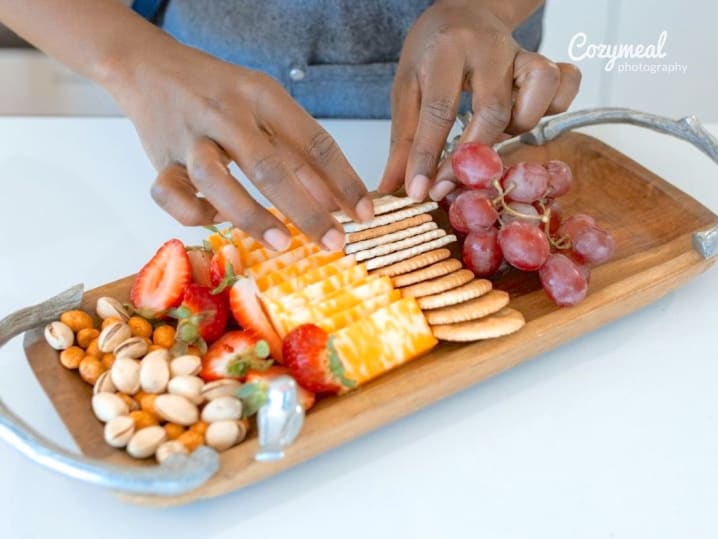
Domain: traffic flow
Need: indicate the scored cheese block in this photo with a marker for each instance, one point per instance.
(359, 311)
(389, 337)
(286, 318)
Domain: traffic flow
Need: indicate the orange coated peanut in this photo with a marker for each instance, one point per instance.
(140, 327)
(93, 349)
(77, 320)
(71, 357)
(110, 320)
(90, 369)
(86, 336)
(191, 440)
(108, 360)
(174, 430)
(143, 419)
(200, 427)
(164, 336)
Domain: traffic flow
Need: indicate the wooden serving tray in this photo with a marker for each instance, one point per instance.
(652, 223)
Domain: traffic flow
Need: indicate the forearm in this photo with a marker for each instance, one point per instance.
(98, 38)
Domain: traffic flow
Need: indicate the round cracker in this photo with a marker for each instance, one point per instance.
(424, 274)
(414, 263)
(473, 309)
(436, 286)
(471, 290)
(503, 323)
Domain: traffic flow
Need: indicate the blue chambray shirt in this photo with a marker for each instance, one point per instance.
(337, 58)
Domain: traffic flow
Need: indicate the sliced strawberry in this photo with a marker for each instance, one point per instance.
(247, 311)
(202, 316)
(306, 397)
(161, 282)
(200, 260)
(233, 355)
(224, 267)
(313, 361)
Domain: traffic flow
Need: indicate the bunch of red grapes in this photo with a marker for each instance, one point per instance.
(512, 217)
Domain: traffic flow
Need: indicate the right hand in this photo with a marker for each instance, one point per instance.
(195, 114)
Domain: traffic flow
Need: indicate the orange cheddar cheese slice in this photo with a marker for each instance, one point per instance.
(384, 340)
(282, 261)
(300, 267)
(306, 278)
(359, 311)
(318, 291)
(262, 254)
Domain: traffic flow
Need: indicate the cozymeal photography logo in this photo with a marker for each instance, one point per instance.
(626, 57)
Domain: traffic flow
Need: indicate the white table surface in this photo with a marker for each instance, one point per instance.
(612, 435)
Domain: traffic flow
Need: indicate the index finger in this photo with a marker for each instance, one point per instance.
(441, 92)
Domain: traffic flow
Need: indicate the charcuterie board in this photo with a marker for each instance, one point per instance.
(652, 222)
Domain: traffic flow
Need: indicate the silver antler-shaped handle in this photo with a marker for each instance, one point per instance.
(176, 475)
(689, 129)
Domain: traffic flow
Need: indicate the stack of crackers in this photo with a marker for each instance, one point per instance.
(405, 243)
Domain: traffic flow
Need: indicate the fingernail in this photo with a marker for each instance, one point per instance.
(418, 187)
(333, 240)
(277, 239)
(365, 209)
(441, 189)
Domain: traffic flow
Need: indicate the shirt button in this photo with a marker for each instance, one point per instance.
(296, 73)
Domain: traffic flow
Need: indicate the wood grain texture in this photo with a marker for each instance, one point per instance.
(652, 223)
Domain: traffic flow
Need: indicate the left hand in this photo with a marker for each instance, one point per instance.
(460, 46)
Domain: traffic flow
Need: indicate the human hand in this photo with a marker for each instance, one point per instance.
(460, 46)
(195, 114)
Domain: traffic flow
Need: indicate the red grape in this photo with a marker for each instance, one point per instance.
(527, 182)
(526, 209)
(593, 246)
(560, 178)
(448, 200)
(481, 252)
(575, 225)
(525, 246)
(584, 270)
(472, 211)
(476, 165)
(556, 216)
(563, 281)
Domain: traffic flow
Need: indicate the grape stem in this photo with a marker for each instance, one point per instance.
(561, 243)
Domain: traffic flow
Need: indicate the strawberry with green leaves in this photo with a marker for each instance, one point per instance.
(224, 267)
(234, 355)
(202, 317)
(309, 354)
(161, 283)
(246, 308)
